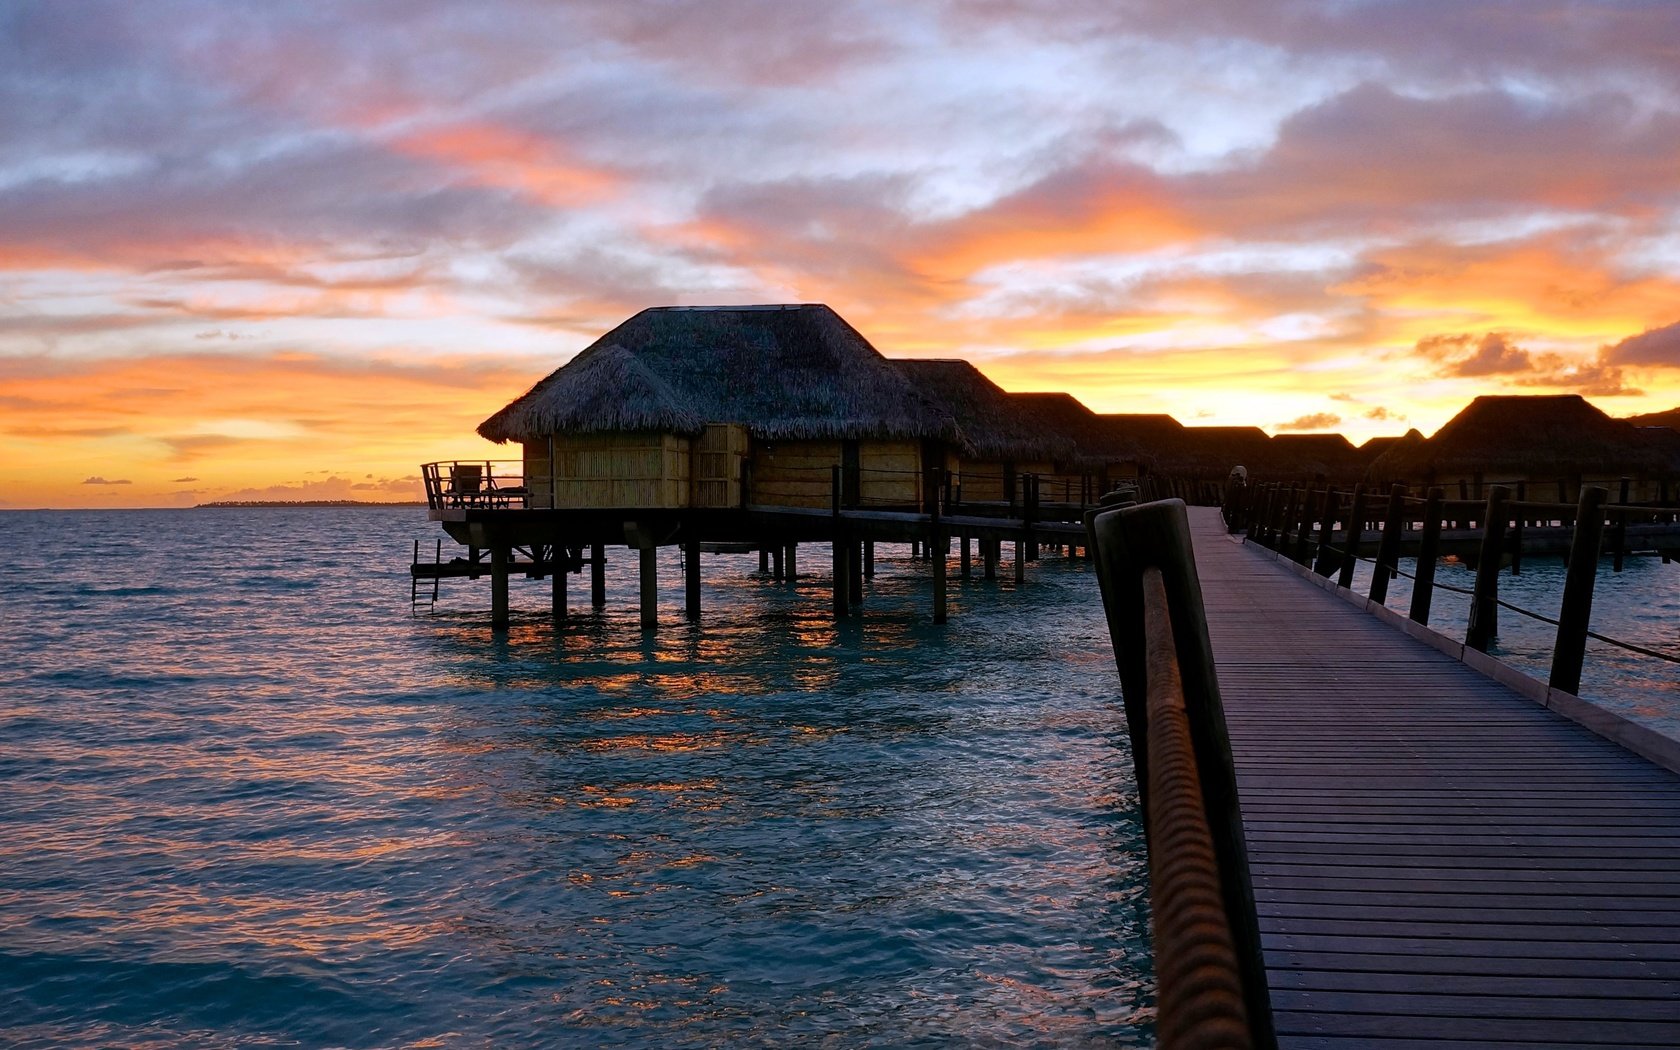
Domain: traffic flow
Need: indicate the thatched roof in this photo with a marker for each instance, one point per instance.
(995, 426)
(1095, 442)
(784, 372)
(1211, 452)
(1311, 456)
(1523, 435)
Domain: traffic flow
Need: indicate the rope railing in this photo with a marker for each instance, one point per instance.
(1199, 999)
(1286, 518)
(1210, 974)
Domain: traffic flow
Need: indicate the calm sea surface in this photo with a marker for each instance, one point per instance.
(250, 801)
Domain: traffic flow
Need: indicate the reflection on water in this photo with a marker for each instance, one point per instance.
(250, 801)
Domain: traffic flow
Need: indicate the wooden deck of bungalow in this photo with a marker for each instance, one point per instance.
(1437, 859)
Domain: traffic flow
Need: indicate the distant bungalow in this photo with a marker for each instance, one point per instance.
(713, 407)
(1553, 444)
(1102, 456)
(1003, 439)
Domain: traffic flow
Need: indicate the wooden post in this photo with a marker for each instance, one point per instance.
(691, 581)
(1325, 563)
(1354, 536)
(1569, 652)
(1484, 604)
(1031, 516)
(557, 581)
(990, 555)
(854, 578)
(1130, 542)
(841, 573)
(597, 574)
(1286, 520)
(792, 562)
(966, 563)
(1618, 532)
(1429, 552)
(1388, 547)
(1517, 531)
(1303, 529)
(500, 554)
(1020, 561)
(869, 559)
(939, 583)
(650, 585)
(764, 559)
(776, 553)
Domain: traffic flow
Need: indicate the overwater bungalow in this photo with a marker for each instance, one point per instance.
(1101, 456)
(715, 407)
(1003, 439)
(1551, 444)
(1314, 459)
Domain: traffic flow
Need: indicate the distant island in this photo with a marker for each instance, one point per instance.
(306, 503)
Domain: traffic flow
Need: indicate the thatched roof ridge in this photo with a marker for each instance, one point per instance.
(785, 372)
(1095, 440)
(1211, 452)
(1523, 435)
(996, 427)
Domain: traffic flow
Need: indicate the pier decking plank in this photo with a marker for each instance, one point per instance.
(1437, 861)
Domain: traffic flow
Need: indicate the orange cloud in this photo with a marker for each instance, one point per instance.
(494, 155)
(241, 422)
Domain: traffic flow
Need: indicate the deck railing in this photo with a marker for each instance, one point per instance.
(1210, 976)
(479, 483)
(1300, 523)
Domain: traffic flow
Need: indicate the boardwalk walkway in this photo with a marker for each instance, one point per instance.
(1437, 861)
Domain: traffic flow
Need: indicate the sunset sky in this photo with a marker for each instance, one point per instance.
(280, 250)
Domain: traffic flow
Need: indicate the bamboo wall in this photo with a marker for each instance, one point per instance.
(891, 473)
(609, 470)
(800, 473)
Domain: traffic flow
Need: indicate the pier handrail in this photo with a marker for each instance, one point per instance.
(1496, 526)
(1211, 979)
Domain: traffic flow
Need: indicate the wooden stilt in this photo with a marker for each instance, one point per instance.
(854, 574)
(764, 559)
(841, 573)
(939, 584)
(990, 552)
(792, 562)
(650, 587)
(691, 581)
(967, 562)
(499, 558)
(557, 580)
(1020, 561)
(776, 552)
(869, 559)
(597, 575)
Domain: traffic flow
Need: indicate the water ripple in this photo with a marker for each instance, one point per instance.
(252, 802)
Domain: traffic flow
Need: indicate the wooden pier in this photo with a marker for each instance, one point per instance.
(1436, 859)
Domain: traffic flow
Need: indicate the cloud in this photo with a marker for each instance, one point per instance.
(1464, 355)
(1657, 347)
(181, 481)
(96, 480)
(1315, 421)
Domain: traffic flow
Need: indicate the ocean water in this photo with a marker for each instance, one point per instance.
(250, 800)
